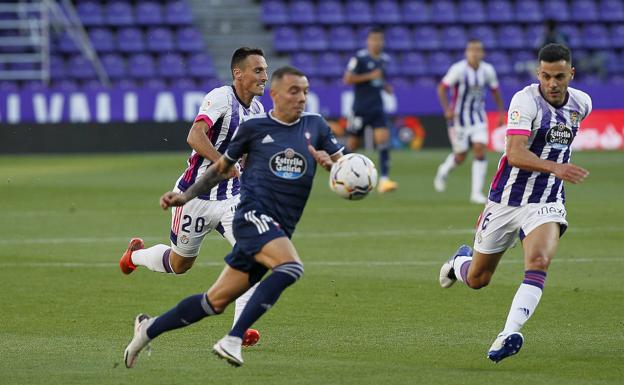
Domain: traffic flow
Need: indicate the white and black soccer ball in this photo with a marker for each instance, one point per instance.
(353, 176)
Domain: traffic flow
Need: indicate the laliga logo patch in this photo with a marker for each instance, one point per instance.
(514, 117)
(288, 164)
(560, 136)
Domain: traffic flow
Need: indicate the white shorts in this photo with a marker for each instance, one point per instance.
(462, 136)
(190, 223)
(499, 225)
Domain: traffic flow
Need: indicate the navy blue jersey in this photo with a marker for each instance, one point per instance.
(279, 169)
(367, 95)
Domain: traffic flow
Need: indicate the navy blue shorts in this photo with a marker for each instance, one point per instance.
(252, 230)
(358, 122)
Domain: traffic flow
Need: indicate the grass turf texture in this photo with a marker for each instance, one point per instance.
(368, 310)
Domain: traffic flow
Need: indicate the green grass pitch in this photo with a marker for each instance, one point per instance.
(368, 310)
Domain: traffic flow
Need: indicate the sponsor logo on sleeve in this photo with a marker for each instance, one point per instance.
(514, 118)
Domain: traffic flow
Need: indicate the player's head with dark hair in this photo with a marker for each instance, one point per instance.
(375, 41)
(289, 91)
(474, 51)
(555, 72)
(249, 72)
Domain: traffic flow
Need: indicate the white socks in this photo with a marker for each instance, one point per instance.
(460, 273)
(524, 303)
(447, 166)
(242, 301)
(479, 169)
(152, 258)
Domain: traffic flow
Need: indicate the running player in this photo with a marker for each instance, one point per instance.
(526, 196)
(279, 170)
(467, 122)
(222, 110)
(366, 71)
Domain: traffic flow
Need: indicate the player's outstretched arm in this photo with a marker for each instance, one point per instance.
(214, 174)
(519, 156)
(322, 157)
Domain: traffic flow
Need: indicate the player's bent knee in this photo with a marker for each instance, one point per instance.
(460, 158)
(181, 265)
(539, 262)
(479, 281)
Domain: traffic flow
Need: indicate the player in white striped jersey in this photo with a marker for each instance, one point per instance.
(467, 121)
(527, 198)
(220, 114)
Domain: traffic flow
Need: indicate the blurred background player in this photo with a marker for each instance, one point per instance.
(272, 203)
(220, 114)
(366, 71)
(527, 195)
(467, 121)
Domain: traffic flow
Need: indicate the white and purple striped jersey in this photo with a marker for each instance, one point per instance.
(551, 131)
(223, 112)
(468, 91)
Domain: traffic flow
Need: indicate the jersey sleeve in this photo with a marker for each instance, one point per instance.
(522, 112)
(214, 106)
(327, 140)
(452, 76)
(239, 145)
(588, 106)
(352, 65)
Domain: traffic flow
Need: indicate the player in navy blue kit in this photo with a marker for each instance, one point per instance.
(279, 170)
(366, 72)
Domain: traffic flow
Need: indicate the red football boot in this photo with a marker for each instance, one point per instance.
(125, 263)
(251, 337)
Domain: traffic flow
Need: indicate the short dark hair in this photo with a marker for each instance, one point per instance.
(279, 73)
(241, 54)
(375, 30)
(552, 53)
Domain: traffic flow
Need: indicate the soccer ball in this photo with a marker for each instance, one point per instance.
(353, 176)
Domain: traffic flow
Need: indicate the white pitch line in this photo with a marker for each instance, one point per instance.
(299, 235)
(110, 265)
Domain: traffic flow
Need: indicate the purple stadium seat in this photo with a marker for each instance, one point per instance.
(32, 85)
(7, 86)
(125, 84)
(171, 65)
(141, 66)
(155, 84)
(499, 11)
(533, 35)
(415, 12)
(393, 68)
(92, 85)
(90, 13)
(413, 64)
(425, 81)
(617, 36)
(387, 12)
(301, 12)
(596, 36)
(471, 11)
(398, 38)
(130, 40)
(572, 35)
(485, 33)
(159, 40)
(583, 10)
(454, 37)
(511, 81)
(400, 81)
(528, 11)
(439, 63)
(611, 10)
(511, 37)
(209, 84)
(330, 64)
(358, 12)
(426, 38)
(102, 40)
(306, 62)
(57, 67)
(67, 85)
(188, 39)
(556, 10)
(66, 44)
(81, 68)
(200, 66)
(274, 12)
(500, 61)
(519, 60)
(330, 12)
(148, 13)
(313, 38)
(285, 39)
(119, 13)
(341, 38)
(611, 61)
(184, 84)
(178, 13)
(114, 65)
(443, 12)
